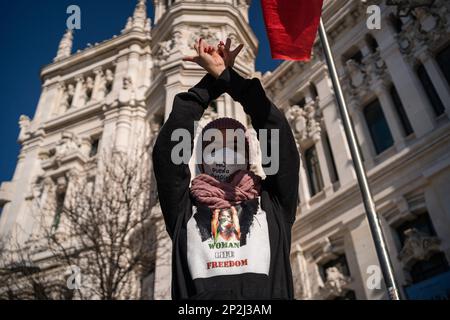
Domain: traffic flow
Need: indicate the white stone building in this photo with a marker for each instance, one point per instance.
(396, 82)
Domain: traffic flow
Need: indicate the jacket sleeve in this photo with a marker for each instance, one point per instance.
(265, 115)
(173, 179)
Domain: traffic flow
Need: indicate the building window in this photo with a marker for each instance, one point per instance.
(426, 269)
(94, 147)
(330, 160)
(406, 125)
(430, 90)
(443, 58)
(60, 197)
(342, 271)
(378, 127)
(422, 223)
(340, 263)
(372, 43)
(315, 181)
(396, 22)
(109, 87)
(69, 101)
(357, 57)
(313, 91)
(423, 269)
(89, 94)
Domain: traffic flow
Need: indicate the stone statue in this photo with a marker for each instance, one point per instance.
(418, 246)
(66, 145)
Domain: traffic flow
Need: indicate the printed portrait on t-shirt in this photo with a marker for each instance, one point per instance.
(230, 224)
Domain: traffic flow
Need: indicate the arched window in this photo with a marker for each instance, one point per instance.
(315, 181)
(378, 127)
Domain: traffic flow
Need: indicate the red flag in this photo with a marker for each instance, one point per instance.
(292, 27)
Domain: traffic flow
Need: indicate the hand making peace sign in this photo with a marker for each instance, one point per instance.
(213, 60)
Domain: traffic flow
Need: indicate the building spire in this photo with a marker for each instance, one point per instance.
(139, 21)
(65, 46)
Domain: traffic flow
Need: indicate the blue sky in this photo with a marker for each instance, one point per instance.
(29, 37)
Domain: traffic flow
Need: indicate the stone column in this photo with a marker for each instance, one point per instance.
(364, 138)
(47, 101)
(60, 105)
(139, 131)
(86, 146)
(366, 259)
(302, 286)
(123, 128)
(24, 176)
(335, 131)
(323, 162)
(303, 185)
(121, 71)
(171, 91)
(437, 78)
(406, 82)
(99, 86)
(390, 114)
(134, 64)
(79, 98)
(109, 130)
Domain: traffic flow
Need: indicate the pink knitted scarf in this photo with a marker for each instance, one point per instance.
(210, 192)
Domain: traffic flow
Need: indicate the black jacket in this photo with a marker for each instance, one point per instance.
(278, 199)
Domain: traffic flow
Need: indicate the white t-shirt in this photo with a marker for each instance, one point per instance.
(228, 242)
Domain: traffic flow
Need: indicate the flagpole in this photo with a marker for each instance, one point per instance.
(369, 205)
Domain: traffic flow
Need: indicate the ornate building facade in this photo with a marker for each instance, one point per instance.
(117, 94)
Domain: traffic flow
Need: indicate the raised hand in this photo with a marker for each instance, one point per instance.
(208, 58)
(228, 55)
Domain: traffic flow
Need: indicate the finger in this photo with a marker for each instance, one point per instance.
(236, 51)
(223, 52)
(228, 44)
(201, 46)
(196, 47)
(191, 59)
